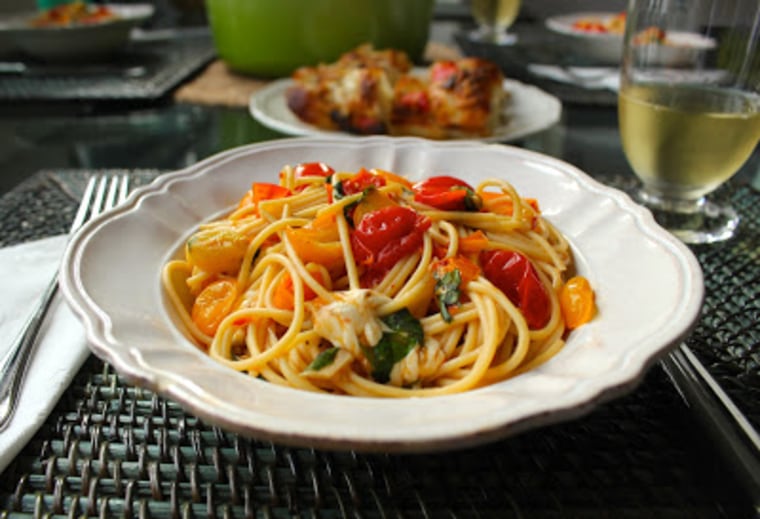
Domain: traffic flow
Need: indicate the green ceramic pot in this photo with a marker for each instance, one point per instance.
(271, 38)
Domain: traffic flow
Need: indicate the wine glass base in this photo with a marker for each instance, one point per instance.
(485, 36)
(697, 222)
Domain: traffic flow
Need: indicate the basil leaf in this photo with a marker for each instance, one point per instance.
(338, 192)
(324, 359)
(447, 291)
(405, 333)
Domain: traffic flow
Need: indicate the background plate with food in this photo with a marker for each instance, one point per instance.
(76, 31)
(648, 295)
(528, 111)
(597, 37)
(369, 91)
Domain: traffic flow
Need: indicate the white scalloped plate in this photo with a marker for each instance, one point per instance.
(649, 292)
(529, 111)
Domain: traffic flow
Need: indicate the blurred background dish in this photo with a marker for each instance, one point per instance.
(76, 41)
(596, 36)
(271, 38)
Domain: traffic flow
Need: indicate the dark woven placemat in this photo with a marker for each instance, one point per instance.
(145, 71)
(113, 449)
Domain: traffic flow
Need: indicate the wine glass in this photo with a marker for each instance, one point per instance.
(689, 107)
(494, 17)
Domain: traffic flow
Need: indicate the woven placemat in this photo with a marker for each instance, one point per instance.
(220, 86)
(145, 72)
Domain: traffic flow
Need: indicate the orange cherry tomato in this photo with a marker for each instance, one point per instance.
(263, 191)
(577, 301)
(213, 304)
(467, 269)
(318, 243)
(284, 294)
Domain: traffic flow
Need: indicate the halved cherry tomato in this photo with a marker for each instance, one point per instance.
(576, 299)
(263, 191)
(385, 236)
(446, 193)
(361, 181)
(318, 243)
(313, 169)
(371, 201)
(284, 294)
(267, 191)
(514, 274)
(213, 304)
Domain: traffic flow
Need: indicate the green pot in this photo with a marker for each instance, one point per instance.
(271, 38)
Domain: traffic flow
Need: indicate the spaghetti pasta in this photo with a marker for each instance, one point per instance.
(362, 283)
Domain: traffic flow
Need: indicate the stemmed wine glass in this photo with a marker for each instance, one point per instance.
(689, 107)
(494, 17)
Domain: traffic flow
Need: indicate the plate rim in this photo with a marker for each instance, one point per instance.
(273, 91)
(128, 362)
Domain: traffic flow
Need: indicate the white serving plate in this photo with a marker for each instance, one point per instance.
(649, 292)
(529, 111)
(79, 42)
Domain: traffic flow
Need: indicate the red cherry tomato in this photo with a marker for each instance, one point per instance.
(443, 71)
(385, 236)
(513, 274)
(313, 169)
(361, 181)
(446, 193)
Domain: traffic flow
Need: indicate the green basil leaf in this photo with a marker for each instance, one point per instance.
(324, 359)
(338, 192)
(447, 291)
(405, 333)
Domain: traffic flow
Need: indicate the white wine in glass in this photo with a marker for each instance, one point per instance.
(494, 17)
(689, 108)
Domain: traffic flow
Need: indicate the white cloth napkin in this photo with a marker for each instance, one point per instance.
(592, 78)
(25, 271)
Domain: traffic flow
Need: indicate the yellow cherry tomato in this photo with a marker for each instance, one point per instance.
(577, 301)
(213, 304)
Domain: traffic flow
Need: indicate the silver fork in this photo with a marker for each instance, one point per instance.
(102, 193)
